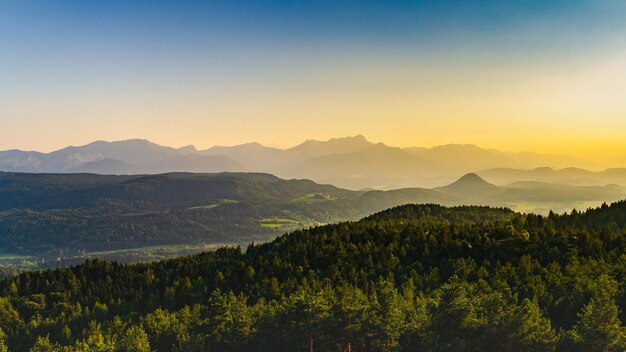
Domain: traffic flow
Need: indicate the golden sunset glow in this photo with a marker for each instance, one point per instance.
(538, 83)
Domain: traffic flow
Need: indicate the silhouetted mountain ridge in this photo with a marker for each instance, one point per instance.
(349, 162)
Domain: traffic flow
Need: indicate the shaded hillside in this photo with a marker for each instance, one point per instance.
(72, 213)
(75, 212)
(416, 277)
(64, 215)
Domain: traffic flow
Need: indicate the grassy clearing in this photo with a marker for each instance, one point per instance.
(17, 261)
(314, 198)
(11, 256)
(278, 220)
(545, 208)
(277, 223)
(272, 226)
(160, 249)
(214, 204)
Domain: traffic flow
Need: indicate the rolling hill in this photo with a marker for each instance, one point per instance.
(61, 215)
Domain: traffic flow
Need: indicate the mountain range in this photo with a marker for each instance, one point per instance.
(350, 162)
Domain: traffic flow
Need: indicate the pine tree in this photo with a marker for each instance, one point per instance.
(134, 339)
(533, 331)
(43, 344)
(3, 346)
(599, 327)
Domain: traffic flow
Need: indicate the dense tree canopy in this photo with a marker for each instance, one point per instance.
(416, 277)
(67, 214)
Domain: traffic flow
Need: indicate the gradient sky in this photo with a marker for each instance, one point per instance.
(546, 76)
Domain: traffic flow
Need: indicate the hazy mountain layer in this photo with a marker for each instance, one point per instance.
(124, 157)
(351, 162)
(573, 176)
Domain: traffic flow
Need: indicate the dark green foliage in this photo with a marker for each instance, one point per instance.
(66, 214)
(53, 214)
(417, 277)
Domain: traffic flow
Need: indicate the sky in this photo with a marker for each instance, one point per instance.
(524, 75)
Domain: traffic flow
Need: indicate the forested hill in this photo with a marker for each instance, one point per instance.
(50, 216)
(416, 277)
(146, 192)
(67, 214)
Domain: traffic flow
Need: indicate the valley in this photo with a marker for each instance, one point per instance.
(48, 220)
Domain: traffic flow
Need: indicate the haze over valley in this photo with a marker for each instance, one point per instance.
(348, 162)
(135, 200)
(59, 219)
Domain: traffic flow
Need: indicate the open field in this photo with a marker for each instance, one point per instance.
(10, 256)
(314, 197)
(545, 208)
(278, 223)
(214, 204)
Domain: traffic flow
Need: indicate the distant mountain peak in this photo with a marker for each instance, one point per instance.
(461, 148)
(359, 138)
(470, 184)
(133, 141)
(188, 149)
(256, 144)
(471, 180)
(343, 145)
(243, 145)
